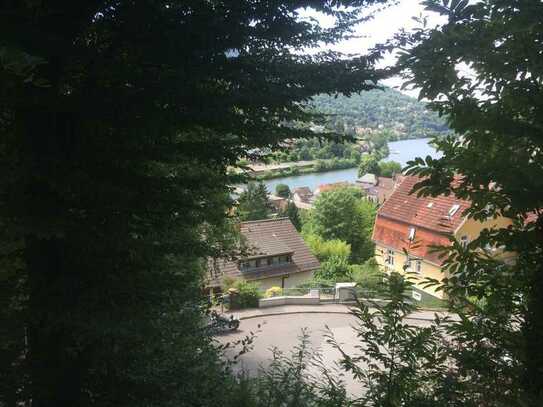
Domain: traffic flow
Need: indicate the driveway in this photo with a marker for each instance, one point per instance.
(283, 331)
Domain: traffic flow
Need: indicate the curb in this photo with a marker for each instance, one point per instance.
(272, 314)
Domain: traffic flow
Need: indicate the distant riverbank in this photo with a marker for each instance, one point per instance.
(273, 171)
(400, 151)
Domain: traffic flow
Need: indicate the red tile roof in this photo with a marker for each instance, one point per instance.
(268, 238)
(433, 218)
(393, 234)
(330, 187)
(428, 212)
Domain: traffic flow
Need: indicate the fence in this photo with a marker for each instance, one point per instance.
(348, 294)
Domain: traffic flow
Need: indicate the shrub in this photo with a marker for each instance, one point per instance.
(324, 249)
(282, 190)
(249, 294)
(228, 282)
(367, 275)
(273, 292)
(334, 269)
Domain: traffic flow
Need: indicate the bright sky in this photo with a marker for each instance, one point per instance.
(381, 28)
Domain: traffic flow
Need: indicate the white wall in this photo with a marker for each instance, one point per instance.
(292, 281)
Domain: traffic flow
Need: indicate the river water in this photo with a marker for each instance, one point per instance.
(400, 151)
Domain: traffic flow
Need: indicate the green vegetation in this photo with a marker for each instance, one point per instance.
(313, 149)
(117, 133)
(496, 109)
(242, 294)
(253, 203)
(325, 249)
(118, 123)
(369, 164)
(367, 276)
(402, 116)
(389, 168)
(282, 190)
(291, 212)
(339, 224)
(343, 214)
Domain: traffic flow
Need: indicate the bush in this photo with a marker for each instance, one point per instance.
(389, 168)
(273, 292)
(324, 249)
(282, 190)
(247, 295)
(334, 269)
(317, 282)
(367, 275)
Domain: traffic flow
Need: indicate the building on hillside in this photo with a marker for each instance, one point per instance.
(367, 180)
(330, 187)
(302, 194)
(278, 203)
(414, 224)
(379, 189)
(303, 205)
(276, 255)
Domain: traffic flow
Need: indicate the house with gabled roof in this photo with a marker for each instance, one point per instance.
(302, 194)
(275, 255)
(409, 224)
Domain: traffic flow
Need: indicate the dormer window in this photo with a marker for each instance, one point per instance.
(252, 264)
(411, 233)
(453, 210)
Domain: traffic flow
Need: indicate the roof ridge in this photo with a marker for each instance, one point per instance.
(263, 220)
(419, 225)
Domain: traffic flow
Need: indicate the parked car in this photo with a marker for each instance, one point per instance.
(220, 323)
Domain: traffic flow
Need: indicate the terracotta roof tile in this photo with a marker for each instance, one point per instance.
(434, 219)
(434, 213)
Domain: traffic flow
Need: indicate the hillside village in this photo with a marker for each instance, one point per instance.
(258, 203)
(405, 232)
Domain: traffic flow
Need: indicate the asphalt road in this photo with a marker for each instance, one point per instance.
(283, 331)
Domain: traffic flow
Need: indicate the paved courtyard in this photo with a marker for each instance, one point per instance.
(283, 331)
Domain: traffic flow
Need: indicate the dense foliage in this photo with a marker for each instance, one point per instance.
(389, 168)
(369, 165)
(483, 68)
(282, 190)
(314, 149)
(118, 121)
(241, 294)
(380, 109)
(253, 203)
(342, 214)
(291, 211)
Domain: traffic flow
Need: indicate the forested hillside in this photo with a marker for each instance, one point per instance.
(386, 109)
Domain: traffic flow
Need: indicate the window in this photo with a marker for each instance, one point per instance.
(453, 210)
(418, 267)
(389, 259)
(411, 233)
(407, 266)
(464, 241)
